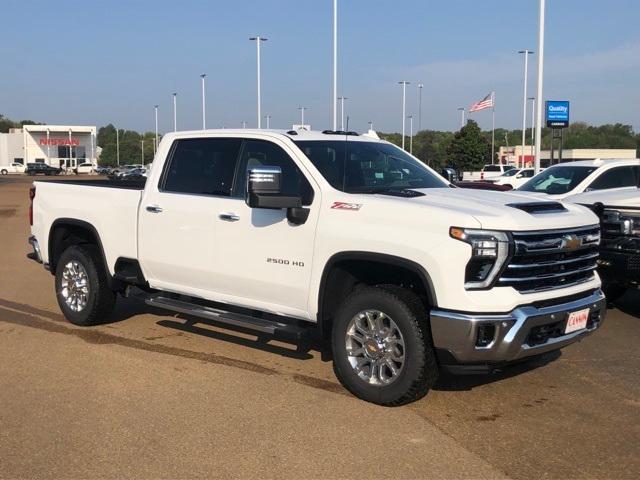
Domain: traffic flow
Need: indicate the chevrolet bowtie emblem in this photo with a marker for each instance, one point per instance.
(571, 242)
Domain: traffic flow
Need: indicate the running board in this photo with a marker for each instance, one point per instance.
(262, 325)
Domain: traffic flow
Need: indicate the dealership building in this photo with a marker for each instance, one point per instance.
(56, 145)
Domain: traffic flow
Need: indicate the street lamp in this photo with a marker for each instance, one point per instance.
(175, 114)
(335, 64)
(155, 141)
(410, 117)
(342, 99)
(258, 39)
(404, 84)
(540, 81)
(204, 115)
(533, 123)
(420, 86)
(524, 99)
(461, 110)
(268, 119)
(142, 153)
(302, 109)
(117, 147)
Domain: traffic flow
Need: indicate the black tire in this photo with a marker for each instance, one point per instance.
(100, 299)
(4, 171)
(614, 291)
(420, 369)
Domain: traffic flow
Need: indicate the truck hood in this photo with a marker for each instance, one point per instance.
(506, 211)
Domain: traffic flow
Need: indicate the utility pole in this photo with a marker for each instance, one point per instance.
(142, 153)
(302, 109)
(420, 85)
(204, 114)
(410, 117)
(175, 114)
(117, 147)
(258, 39)
(155, 140)
(533, 125)
(524, 101)
(370, 125)
(268, 119)
(539, 96)
(342, 99)
(461, 110)
(404, 84)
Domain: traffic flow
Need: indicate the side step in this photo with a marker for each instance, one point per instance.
(270, 327)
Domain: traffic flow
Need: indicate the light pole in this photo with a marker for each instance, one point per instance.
(117, 147)
(410, 117)
(204, 115)
(342, 99)
(370, 126)
(155, 140)
(335, 64)
(244, 124)
(533, 124)
(268, 119)
(524, 100)
(302, 109)
(420, 85)
(175, 110)
(461, 110)
(404, 84)
(540, 81)
(258, 39)
(142, 153)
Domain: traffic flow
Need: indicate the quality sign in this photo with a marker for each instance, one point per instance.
(557, 113)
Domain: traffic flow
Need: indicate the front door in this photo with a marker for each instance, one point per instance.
(262, 260)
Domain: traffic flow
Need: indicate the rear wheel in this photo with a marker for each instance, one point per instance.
(382, 350)
(81, 286)
(4, 171)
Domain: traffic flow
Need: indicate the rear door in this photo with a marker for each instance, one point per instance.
(179, 215)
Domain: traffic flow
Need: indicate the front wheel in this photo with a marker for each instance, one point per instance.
(81, 284)
(382, 350)
(4, 171)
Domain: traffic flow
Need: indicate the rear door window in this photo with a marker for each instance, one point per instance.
(617, 177)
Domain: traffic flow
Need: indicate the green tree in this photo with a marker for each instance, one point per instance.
(469, 149)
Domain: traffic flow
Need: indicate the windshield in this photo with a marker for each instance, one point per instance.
(361, 167)
(557, 180)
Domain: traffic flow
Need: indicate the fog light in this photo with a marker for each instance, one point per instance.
(486, 334)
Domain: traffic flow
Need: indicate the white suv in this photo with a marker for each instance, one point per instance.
(567, 179)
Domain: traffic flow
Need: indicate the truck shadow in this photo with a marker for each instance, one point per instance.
(297, 349)
(455, 383)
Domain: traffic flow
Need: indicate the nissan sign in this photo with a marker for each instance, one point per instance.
(557, 113)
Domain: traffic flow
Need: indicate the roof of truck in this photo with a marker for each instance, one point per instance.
(599, 162)
(299, 134)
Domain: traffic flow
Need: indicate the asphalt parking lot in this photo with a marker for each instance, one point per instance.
(153, 395)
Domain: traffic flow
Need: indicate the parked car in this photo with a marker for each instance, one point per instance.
(488, 171)
(134, 174)
(571, 178)
(12, 168)
(103, 170)
(513, 178)
(42, 169)
(83, 168)
(619, 212)
(339, 235)
(451, 174)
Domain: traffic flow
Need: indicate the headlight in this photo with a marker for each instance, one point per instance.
(489, 252)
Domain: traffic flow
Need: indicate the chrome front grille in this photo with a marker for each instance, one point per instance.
(546, 260)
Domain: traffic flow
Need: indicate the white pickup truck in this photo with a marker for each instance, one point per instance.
(398, 272)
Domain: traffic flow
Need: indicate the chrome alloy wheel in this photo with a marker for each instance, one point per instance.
(75, 286)
(375, 347)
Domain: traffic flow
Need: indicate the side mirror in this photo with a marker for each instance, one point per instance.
(263, 189)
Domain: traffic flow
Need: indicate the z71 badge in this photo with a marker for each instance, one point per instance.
(346, 206)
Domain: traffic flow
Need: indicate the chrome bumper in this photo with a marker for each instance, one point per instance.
(516, 335)
(36, 254)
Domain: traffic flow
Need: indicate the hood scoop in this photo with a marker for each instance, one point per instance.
(539, 207)
(405, 193)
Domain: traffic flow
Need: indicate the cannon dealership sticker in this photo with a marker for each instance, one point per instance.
(346, 206)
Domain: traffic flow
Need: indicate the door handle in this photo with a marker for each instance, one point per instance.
(154, 208)
(228, 216)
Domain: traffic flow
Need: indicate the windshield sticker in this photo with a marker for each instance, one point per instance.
(346, 206)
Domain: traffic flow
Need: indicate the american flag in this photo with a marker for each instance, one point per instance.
(486, 102)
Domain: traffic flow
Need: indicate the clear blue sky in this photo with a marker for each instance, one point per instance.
(95, 62)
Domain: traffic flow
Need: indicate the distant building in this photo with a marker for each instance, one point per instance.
(56, 145)
(513, 155)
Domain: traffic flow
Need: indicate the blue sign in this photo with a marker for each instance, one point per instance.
(557, 113)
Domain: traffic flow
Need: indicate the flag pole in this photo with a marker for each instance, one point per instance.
(493, 127)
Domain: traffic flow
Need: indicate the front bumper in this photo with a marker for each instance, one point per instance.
(464, 343)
